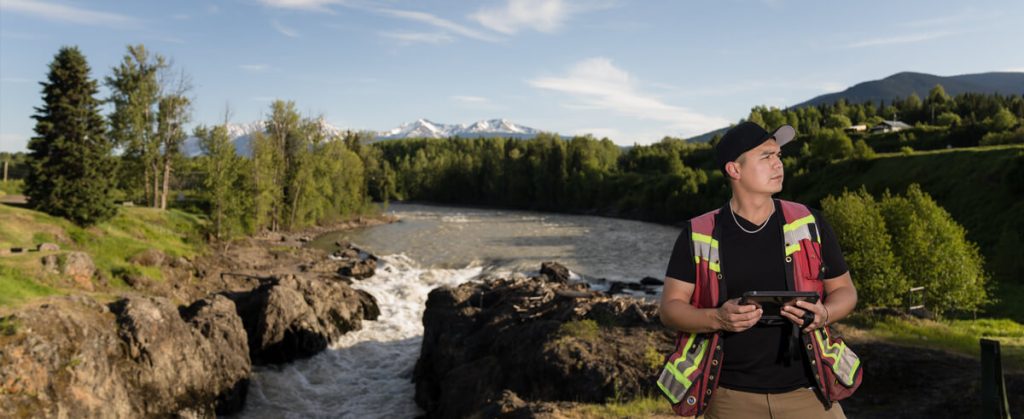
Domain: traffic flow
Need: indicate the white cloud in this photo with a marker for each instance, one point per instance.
(64, 13)
(437, 22)
(283, 30)
(256, 68)
(419, 37)
(470, 99)
(903, 39)
(1015, 69)
(540, 15)
(598, 84)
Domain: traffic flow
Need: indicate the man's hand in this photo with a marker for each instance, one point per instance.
(796, 313)
(733, 317)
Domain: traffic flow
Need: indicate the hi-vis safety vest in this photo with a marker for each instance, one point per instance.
(690, 375)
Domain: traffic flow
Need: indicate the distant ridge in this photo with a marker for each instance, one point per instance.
(902, 85)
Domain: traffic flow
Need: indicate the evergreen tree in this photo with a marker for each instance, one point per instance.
(70, 156)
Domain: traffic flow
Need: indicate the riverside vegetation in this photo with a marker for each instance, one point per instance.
(953, 182)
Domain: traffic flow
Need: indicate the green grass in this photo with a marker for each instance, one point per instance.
(643, 407)
(110, 244)
(959, 336)
(16, 286)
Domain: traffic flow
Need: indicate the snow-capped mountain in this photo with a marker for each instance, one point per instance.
(241, 134)
(241, 137)
(424, 128)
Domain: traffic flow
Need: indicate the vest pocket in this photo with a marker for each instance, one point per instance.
(680, 378)
(843, 372)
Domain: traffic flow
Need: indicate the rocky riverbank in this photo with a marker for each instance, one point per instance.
(545, 347)
(183, 346)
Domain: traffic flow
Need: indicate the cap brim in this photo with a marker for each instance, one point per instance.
(783, 135)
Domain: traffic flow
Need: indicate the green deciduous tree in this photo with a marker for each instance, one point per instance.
(70, 156)
(135, 94)
(225, 185)
(933, 251)
(868, 248)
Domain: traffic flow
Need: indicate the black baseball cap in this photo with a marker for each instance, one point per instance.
(745, 136)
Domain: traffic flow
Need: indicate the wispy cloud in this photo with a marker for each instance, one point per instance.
(419, 37)
(470, 99)
(254, 67)
(309, 5)
(902, 39)
(63, 13)
(438, 22)
(599, 84)
(1015, 69)
(283, 30)
(539, 15)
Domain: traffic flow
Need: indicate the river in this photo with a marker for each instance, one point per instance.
(367, 373)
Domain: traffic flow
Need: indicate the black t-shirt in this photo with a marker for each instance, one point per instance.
(755, 360)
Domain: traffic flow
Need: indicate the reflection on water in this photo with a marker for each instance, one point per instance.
(446, 237)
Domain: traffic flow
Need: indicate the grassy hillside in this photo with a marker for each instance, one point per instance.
(981, 187)
(110, 244)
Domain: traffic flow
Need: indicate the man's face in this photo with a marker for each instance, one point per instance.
(760, 168)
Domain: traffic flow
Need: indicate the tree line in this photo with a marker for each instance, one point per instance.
(81, 163)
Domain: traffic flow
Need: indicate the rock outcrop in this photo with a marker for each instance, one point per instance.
(298, 316)
(139, 357)
(538, 339)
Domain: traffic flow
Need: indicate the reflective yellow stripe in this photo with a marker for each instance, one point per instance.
(668, 393)
(797, 223)
(697, 237)
(795, 247)
(714, 267)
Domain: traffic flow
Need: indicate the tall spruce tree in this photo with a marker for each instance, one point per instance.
(70, 157)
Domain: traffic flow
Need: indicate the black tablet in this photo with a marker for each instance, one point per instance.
(772, 301)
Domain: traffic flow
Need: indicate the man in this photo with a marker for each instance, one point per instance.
(765, 371)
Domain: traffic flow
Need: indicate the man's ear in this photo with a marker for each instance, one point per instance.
(733, 169)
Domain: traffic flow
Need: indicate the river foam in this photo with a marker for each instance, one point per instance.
(366, 373)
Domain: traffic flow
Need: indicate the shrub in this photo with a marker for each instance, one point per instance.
(867, 248)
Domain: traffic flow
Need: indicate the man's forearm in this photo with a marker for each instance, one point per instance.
(681, 316)
(840, 303)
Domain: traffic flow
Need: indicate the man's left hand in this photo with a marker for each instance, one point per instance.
(795, 314)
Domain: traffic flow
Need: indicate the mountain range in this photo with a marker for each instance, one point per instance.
(241, 134)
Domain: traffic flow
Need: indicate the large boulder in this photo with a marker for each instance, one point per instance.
(141, 357)
(541, 339)
(79, 267)
(297, 316)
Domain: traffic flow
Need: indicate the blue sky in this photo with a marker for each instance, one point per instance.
(632, 71)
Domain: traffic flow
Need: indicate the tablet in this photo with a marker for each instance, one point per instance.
(772, 301)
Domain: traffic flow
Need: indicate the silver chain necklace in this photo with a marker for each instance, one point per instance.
(733, 212)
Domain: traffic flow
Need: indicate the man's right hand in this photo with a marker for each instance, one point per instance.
(734, 317)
